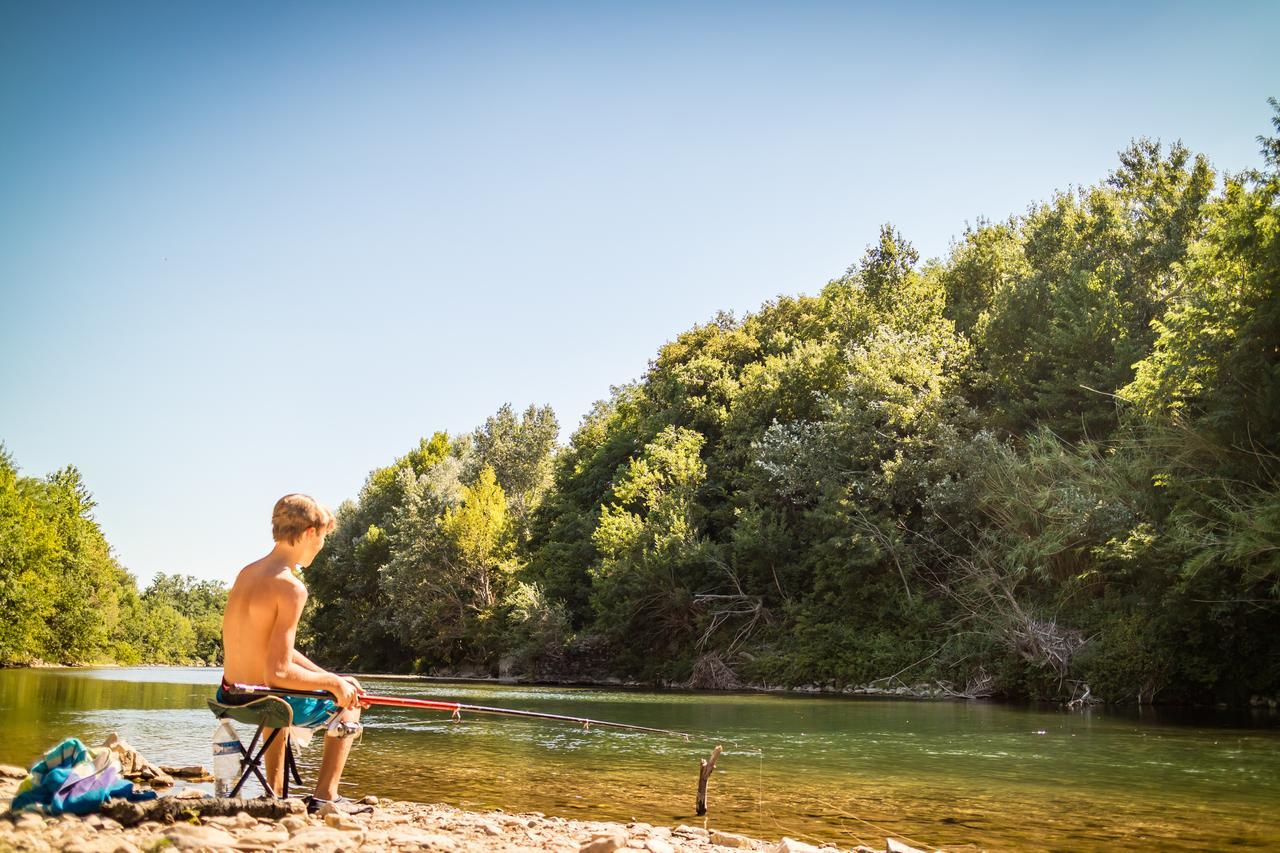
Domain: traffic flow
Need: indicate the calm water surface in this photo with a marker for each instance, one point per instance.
(945, 775)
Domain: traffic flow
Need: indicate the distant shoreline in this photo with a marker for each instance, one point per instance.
(618, 683)
(919, 693)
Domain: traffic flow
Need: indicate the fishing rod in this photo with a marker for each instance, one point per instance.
(454, 708)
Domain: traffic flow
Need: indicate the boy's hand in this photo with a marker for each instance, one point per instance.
(345, 691)
(359, 691)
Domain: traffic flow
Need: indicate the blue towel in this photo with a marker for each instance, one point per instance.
(75, 779)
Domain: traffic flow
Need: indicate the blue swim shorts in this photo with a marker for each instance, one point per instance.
(311, 712)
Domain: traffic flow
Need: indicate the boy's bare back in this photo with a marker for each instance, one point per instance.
(253, 605)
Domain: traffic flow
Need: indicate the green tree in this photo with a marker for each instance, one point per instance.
(30, 550)
(519, 451)
(652, 555)
(351, 620)
(61, 590)
(201, 603)
(451, 569)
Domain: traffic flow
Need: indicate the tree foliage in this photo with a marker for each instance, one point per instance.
(65, 599)
(421, 571)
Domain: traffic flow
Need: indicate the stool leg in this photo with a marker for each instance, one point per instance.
(254, 763)
(288, 754)
(292, 764)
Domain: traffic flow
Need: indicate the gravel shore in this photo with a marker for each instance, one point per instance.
(393, 826)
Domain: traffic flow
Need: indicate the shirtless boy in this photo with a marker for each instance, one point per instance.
(258, 628)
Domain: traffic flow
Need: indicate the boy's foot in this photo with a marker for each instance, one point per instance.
(343, 805)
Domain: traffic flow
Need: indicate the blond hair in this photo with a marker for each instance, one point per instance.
(295, 514)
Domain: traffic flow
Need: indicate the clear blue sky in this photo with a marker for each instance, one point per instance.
(247, 249)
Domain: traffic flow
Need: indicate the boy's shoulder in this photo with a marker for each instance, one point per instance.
(261, 577)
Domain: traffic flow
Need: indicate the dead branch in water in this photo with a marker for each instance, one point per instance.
(705, 769)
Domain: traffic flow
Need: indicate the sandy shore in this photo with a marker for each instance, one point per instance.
(393, 826)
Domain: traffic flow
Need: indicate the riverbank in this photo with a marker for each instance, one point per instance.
(392, 826)
(881, 689)
(901, 691)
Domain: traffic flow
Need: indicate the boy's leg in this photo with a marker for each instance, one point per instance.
(275, 760)
(335, 758)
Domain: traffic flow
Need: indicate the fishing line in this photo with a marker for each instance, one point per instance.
(762, 813)
(760, 796)
(844, 827)
(915, 842)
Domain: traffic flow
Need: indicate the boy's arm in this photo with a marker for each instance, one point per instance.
(306, 663)
(284, 670)
(303, 661)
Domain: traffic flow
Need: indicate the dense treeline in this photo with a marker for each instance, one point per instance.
(1044, 465)
(65, 599)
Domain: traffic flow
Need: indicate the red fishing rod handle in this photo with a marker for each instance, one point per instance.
(397, 702)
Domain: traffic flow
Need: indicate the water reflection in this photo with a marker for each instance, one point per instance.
(822, 769)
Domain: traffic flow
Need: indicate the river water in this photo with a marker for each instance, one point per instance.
(942, 774)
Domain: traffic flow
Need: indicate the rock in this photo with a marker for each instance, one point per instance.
(9, 771)
(695, 831)
(488, 827)
(344, 822)
(265, 838)
(322, 838)
(732, 839)
(790, 845)
(191, 772)
(244, 820)
(893, 845)
(190, 794)
(134, 766)
(421, 840)
(658, 845)
(369, 801)
(186, 836)
(293, 823)
(29, 822)
(100, 845)
(605, 841)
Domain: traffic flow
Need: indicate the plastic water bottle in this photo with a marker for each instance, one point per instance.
(226, 758)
